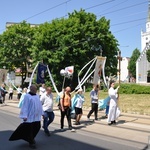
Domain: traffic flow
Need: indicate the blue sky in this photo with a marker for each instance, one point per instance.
(127, 17)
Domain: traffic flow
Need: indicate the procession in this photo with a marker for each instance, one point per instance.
(37, 104)
(75, 75)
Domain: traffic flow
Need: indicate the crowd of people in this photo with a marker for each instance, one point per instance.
(34, 107)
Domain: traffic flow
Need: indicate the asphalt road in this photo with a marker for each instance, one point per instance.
(67, 140)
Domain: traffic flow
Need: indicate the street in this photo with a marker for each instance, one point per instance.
(83, 138)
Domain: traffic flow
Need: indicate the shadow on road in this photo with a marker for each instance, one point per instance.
(57, 141)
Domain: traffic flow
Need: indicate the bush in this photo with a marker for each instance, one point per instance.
(134, 89)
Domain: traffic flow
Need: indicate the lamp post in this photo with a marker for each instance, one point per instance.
(101, 50)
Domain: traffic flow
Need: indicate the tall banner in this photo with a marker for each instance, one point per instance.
(3, 75)
(99, 67)
(41, 73)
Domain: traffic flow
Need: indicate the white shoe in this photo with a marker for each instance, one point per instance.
(88, 119)
(62, 130)
(73, 130)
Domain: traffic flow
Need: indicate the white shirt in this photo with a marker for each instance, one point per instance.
(10, 90)
(19, 90)
(113, 96)
(80, 101)
(41, 91)
(31, 108)
(47, 102)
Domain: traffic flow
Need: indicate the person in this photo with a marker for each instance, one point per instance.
(113, 103)
(94, 94)
(31, 112)
(47, 103)
(22, 97)
(3, 92)
(107, 109)
(10, 93)
(42, 90)
(19, 92)
(79, 99)
(65, 108)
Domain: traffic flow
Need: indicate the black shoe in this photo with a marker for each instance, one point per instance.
(47, 133)
(70, 128)
(110, 123)
(76, 123)
(33, 146)
(114, 122)
(96, 119)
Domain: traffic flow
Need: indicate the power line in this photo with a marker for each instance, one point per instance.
(47, 10)
(127, 28)
(128, 22)
(44, 11)
(123, 8)
(99, 4)
(91, 7)
(114, 6)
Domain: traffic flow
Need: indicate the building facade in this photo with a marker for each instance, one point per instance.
(142, 65)
(124, 72)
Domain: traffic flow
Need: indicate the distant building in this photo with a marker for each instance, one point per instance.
(142, 65)
(8, 24)
(124, 72)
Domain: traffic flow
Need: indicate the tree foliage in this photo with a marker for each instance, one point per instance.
(75, 41)
(132, 62)
(16, 42)
(63, 42)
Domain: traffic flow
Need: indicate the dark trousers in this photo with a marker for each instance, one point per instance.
(48, 119)
(3, 99)
(94, 108)
(67, 113)
(107, 110)
(10, 96)
(18, 96)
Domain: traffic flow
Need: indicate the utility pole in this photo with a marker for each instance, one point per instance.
(119, 65)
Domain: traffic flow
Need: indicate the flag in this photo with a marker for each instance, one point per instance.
(98, 69)
(3, 75)
(41, 73)
(69, 70)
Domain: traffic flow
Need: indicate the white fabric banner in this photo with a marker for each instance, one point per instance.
(98, 69)
(3, 75)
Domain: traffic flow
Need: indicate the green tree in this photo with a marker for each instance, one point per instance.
(132, 62)
(16, 42)
(75, 41)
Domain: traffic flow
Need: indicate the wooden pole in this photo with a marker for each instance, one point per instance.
(119, 57)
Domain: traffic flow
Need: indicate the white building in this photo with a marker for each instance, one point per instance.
(124, 72)
(142, 65)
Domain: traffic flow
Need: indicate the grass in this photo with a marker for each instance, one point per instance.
(128, 103)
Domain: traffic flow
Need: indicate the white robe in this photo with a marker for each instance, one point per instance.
(113, 104)
(31, 108)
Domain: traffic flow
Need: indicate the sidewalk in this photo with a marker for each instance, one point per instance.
(124, 117)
